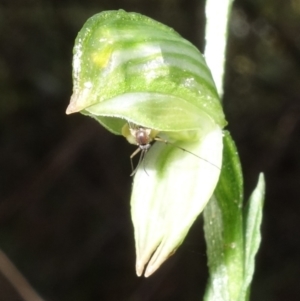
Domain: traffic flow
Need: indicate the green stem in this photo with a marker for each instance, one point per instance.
(223, 224)
(231, 243)
(217, 17)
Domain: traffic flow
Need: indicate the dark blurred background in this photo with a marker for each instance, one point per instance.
(64, 180)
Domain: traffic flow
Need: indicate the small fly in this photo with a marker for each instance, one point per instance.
(143, 137)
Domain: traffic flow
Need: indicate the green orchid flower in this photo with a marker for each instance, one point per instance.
(141, 79)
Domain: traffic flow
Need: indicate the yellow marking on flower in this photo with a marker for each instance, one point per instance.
(102, 57)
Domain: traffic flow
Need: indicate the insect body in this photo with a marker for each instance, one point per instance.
(143, 138)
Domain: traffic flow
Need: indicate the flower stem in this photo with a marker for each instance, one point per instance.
(217, 17)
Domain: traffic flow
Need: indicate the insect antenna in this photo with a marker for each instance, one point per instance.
(185, 150)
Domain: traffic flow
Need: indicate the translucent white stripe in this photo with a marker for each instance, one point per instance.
(161, 64)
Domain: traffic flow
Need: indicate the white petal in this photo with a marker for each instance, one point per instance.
(170, 190)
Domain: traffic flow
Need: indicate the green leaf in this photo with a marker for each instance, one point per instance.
(232, 244)
(223, 226)
(253, 219)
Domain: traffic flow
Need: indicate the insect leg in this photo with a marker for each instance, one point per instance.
(131, 162)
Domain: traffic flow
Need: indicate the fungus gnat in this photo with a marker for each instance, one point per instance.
(143, 137)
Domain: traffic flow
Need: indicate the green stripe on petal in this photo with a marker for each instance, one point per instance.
(118, 53)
